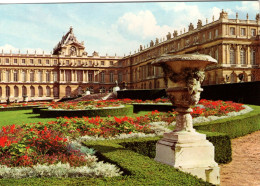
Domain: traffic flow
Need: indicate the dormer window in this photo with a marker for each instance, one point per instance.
(73, 51)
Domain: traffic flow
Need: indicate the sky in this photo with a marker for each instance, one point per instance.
(112, 28)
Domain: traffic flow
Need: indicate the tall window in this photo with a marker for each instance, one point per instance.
(111, 77)
(7, 61)
(15, 75)
(210, 36)
(7, 91)
(39, 61)
(232, 31)
(216, 33)
(7, 76)
(55, 76)
(24, 75)
(40, 90)
(24, 91)
(32, 76)
(243, 56)
(0, 75)
(232, 56)
(48, 76)
(68, 75)
(32, 90)
(253, 32)
(39, 76)
(23, 61)
(120, 77)
(1, 92)
(15, 61)
(56, 92)
(79, 75)
(68, 91)
(31, 61)
(252, 57)
(55, 62)
(243, 32)
(16, 91)
(47, 61)
(102, 77)
(90, 77)
(48, 91)
(111, 63)
(216, 54)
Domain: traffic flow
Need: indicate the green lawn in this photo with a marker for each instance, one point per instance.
(19, 117)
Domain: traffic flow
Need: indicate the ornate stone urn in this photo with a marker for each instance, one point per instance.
(184, 148)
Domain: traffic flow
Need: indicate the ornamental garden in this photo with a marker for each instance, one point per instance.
(108, 142)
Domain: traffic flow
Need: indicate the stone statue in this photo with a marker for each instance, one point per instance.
(191, 27)
(168, 36)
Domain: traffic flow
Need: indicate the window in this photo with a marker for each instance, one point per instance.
(232, 31)
(40, 76)
(39, 61)
(243, 32)
(68, 75)
(243, 56)
(56, 92)
(216, 33)
(79, 75)
(232, 56)
(16, 91)
(48, 76)
(40, 91)
(31, 61)
(102, 62)
(55, 76)
(111, 77)
(102, 77)
(24, 91)
(120, 77)
(0, 75)
(6, 60)
(32, 90)
(216, 54)
(253, 32)
(48, 91)
(15, 61)
(90, 77)
(111, 63)
(15, 76)
(47, 61)
(7, 91)
(55, 62)
(0, 60)
(7, 76)
(23, 61)
(203, 37)
(210, 35)
(24, 76)
(31, 76)
(252, 57)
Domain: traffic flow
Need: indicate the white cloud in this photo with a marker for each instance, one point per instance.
(142, 24)
(7, 48)
(249, 6)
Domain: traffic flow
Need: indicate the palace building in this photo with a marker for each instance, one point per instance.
(70, 71)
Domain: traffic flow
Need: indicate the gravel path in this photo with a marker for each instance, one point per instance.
(245, 166)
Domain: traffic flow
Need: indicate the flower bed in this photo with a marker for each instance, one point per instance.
(42, 149)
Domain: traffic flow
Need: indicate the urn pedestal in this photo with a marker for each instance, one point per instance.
(184, 148)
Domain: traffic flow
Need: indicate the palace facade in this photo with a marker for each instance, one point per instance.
(70, 71)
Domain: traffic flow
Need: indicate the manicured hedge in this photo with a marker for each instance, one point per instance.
(150, 107)
(17, 108)
(234, 126)
(127, 110)
(36, 110)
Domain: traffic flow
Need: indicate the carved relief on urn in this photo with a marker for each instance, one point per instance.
(183, 75)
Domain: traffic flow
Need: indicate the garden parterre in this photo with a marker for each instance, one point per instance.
(49, 144)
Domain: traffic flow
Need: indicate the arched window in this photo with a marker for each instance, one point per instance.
(24, 91)
(232, 55)
(252, 57)
(40, 90)
(68, 91)
(243, 56)
(7, 89)
(16, 91)
(56, 92)
(233, 78)
(48, 91)
(32, 90)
